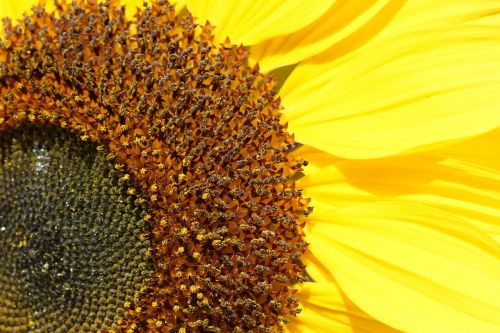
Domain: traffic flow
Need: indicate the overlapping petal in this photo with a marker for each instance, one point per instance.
(416, 268)
(346, 25)
(250, 22)
(329, 186)
(463, 179)
(317, 159)
(429, 77)
(326, 309)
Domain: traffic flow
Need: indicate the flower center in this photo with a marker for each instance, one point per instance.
(198, 132)
(70, 235)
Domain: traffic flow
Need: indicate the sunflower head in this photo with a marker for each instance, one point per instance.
(196, 132)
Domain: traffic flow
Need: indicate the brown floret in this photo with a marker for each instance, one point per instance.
(198, 132)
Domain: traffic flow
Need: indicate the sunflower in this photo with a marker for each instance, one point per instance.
(234, 166)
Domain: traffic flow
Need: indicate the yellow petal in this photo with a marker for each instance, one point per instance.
(463, 179)
(413, 267)
(316, 268)
(429, 77)
(316, 158)
(249, 22)
(346, 21)
(326, 309)
(329, 185)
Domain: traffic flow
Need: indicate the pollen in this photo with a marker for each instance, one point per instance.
(197, 133)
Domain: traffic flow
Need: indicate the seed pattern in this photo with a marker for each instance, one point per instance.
(197, 131)
(70, 235)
